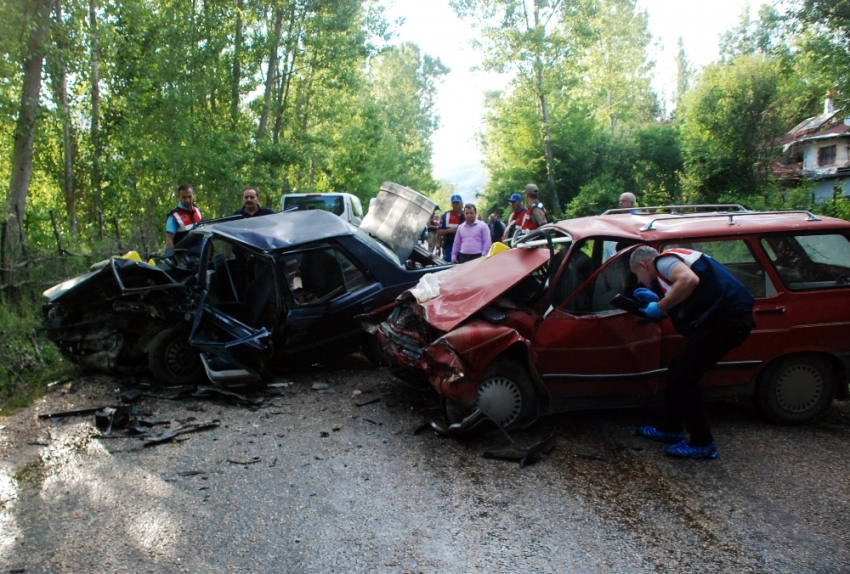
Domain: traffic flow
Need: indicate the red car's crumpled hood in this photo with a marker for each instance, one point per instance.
(468, 288)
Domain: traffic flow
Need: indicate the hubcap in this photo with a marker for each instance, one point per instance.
(500, 400)
(798, 388)
(181, 358)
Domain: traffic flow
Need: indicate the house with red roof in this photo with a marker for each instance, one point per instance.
(818, 149)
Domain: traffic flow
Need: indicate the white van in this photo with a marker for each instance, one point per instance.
(345, 205)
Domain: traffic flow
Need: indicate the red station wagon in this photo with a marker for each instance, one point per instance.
(532, 330)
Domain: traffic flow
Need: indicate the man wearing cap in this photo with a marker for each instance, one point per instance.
(517, 216)
(472, 239)
(448, 225)
(535, 214)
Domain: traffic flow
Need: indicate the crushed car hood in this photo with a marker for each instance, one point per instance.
(398, 218)
(466, 289)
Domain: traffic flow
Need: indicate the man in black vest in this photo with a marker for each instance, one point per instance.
(714, 311)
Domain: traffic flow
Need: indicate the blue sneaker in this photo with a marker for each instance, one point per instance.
(653, 433)
(685, 450)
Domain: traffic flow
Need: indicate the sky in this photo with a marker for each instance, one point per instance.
(439, 32)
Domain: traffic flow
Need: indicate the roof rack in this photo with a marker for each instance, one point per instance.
(731, 215)
(673, 209)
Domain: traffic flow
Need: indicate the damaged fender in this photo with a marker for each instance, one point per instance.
(482, 342)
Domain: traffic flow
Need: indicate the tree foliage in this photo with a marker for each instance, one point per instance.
(728, 122)
(141, 96)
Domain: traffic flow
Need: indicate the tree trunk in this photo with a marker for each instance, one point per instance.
(236, 78)
(270, 76)
(95, 108)
(22, 152)
(544, 113)
(60, 90)
(288, 67)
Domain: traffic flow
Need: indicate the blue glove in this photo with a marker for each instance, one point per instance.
(645, 295)
(653, 311)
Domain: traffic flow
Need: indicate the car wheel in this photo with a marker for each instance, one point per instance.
(372, 351)
(172, 359)
(796, 389)
(506, 395)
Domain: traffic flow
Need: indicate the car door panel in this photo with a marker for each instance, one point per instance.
(594, 348)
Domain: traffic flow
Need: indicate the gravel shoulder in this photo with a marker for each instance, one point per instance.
(309, 481)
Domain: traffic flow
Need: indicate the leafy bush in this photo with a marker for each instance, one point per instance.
(27, 364)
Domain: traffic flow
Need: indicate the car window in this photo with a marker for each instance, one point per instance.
(227, 271)
(737, 257)
(320, 275)
(578, 269)
(595, 297)
(810, 261)
(332, 203)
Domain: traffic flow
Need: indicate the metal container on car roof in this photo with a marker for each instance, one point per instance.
(398, 217)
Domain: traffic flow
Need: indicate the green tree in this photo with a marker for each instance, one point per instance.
(727, 123)
(38, 26)
(684, 74)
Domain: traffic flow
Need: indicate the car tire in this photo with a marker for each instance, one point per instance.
(372, 350)
(506, 394)
(796, 389)
(172, 360)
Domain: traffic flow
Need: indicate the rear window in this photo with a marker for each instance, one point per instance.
(331, 203)
(810, 261)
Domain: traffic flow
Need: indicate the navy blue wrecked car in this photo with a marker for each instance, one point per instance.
(242, 299)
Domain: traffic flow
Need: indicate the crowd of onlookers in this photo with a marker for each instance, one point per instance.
(461, 234)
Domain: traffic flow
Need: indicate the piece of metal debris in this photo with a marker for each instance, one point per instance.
(253, 460)
(525, 455)
(370, 402)
(111, 417)
(71, 413)
(206, 391)
(184, 428)
(131, 396)
(319, 386)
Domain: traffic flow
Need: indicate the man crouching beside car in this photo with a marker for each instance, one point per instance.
(714, 311)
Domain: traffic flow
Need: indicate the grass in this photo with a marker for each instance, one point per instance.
(27, 364)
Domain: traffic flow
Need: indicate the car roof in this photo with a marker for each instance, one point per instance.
(650, 227)
(282, 230)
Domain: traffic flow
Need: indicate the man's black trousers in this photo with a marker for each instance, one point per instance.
(704, 349)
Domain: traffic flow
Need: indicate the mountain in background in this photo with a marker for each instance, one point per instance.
(469, 180)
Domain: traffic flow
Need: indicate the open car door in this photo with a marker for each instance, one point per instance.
(585, 346)
(237, 312)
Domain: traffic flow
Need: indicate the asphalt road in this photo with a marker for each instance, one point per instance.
(308, 481)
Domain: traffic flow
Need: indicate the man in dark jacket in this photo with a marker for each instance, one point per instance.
(497, 228)
(710, 307)
(251, 204)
